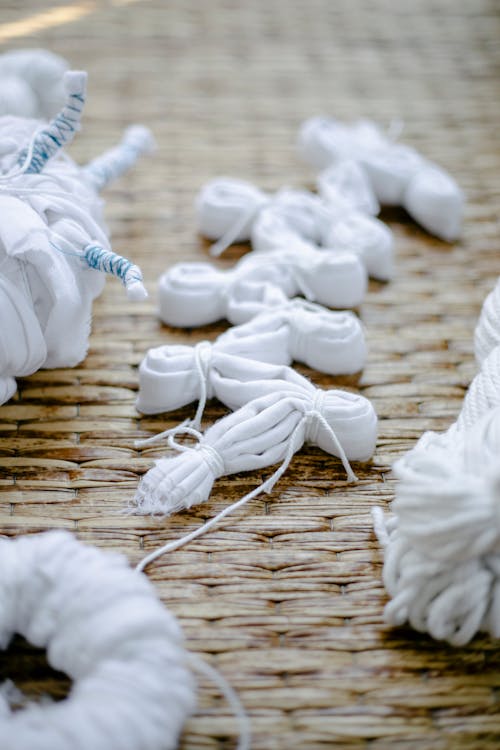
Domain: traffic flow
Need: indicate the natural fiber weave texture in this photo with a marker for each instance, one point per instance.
(285, 598)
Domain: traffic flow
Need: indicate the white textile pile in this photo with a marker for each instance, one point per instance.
(196, 294)
(54, 243)
(398, 174)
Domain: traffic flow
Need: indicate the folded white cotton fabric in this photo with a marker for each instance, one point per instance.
(31, 83)
(267, 430)
(352, 232)
(345, 183)
(174, 376)
(196, 294)
(442, 547)
(399, 175)
(232, 210)
(55, 241)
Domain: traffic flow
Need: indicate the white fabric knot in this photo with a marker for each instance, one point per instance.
(399, 175)
(172, 376)
(270, 426)
(196, 294)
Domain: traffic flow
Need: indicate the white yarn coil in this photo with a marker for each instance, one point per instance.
(232, 210)
(55, 241)
(196, 294)
(399, 175)
(31, 83)
(266, 430)
(171, 376)
(442, 547)
(103, 625)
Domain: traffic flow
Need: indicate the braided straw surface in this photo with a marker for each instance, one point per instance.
(285, 598)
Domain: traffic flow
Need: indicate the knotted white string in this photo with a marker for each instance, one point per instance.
(399, 175)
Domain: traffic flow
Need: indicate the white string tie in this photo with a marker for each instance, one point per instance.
(202, 358)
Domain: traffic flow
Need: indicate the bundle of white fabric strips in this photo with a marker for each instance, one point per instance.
(321, 246)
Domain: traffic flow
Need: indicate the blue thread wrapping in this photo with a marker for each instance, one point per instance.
(110, 262)
(51, 139)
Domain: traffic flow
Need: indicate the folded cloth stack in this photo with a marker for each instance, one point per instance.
(231, 210)
(196, 294)
(171, 376)
(267, 430)
(55, 241)
(31, 83)
(399, 175)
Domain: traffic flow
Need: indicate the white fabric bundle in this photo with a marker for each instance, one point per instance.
(399, 175)
(171, 376)
(55, 241)
(232, 210)
(103, 625)
(196, 294)
(267, 430)
(368, 238)
(345, 183)
(442, 548)
(31, 83)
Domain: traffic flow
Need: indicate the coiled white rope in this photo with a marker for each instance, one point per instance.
(442, 547)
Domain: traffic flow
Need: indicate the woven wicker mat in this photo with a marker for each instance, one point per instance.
(286, 597)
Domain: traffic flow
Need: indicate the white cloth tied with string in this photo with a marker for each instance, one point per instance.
(172, 376)
(196, 294)
(267, 430)
(55, 242)
(399, 175)
(442, 547)
(351, 232)
(345, 183)
(31, 83)
(231, 210)
(103, 625)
